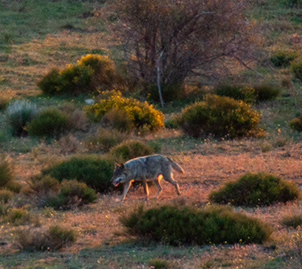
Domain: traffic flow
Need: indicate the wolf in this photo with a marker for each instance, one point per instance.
(146, 168)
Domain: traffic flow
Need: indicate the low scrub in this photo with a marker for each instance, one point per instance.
(158, 263)
(248, 94)
(118, 119)
(296, 123)
(104, 140)
(143, 116)
(18, 114)
(91, 74)
(130, 149)
(5, 195)
(292, 220)
(297, 69)
(67, 194)
(283, 58)
(19, 216)
(53, 239)
(220, 116)
(50, 122)
(256, 189)
(7, 176)
(96, 173)
(187, 225)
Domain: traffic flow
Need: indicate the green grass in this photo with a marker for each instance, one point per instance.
(24, 20)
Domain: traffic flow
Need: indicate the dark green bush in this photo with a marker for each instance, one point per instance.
(297, 69)
(220, 116)
(257, 93)
(96, 173)
(51, 122)
(266, 92)
(3, 103)
(253, 189)
(53, 239)
(283, 58)
(72, 193)
(292, 220)
(104, 140)
(170, 92)
(130, 149)
(244, 93)
(6, 172)
(19, 114)
(188, 225)
(50, 83)
(296, 123)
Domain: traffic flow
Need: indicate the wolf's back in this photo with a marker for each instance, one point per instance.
(175, 166)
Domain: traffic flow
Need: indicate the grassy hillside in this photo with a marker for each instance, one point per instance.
(38, 35)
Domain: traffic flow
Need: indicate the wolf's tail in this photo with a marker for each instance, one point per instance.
(175, 166)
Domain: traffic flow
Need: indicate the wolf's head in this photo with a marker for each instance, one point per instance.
(119, 174)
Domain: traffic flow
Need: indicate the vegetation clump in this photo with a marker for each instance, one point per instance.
(248, 94)
(51, 122)
(187, 225)
(95, 172)
(104, 140)
(283, 58)
(7, 177)
(297, 69)
(256, 189)
(142, 115)
(54, 238)
(292, 220)
(130, 149)
(18, 114)
(220, 116)
(296, 123)
(90, 74)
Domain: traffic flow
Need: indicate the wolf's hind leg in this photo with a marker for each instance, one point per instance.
(159, 187)
(126, 188)
(169, 178)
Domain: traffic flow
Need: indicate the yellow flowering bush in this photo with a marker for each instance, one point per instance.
(143, 115)
(91, 73)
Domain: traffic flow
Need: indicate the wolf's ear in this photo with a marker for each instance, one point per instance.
(116, 165)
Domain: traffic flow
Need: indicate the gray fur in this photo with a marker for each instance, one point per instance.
(147, 168)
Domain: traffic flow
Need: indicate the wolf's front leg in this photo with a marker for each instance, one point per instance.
(146, 188)
(126, 188)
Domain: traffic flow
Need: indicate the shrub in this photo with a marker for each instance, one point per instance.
(92, 73)
(41, 185)
(158, 263)
(19, 114)
(244, 93)
(53, 239)
(266, 92)
(296, 123)
(292, 221)
(96, 173)
(69, 144)
(283, 58)
(130, 149)
(6, 172)
(104, 140)
(50, 122)
(118, 119)
(220, 116)
(72, 80)
(253, 189)
(141, 114)
(261, 92)
(105, 76)
(187, 225)
(297, 69)
(72, 194)
(5, 195)
(20, 216)
(3, 103)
